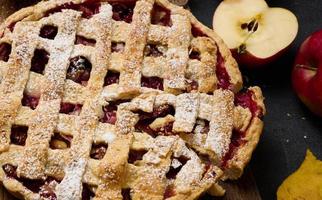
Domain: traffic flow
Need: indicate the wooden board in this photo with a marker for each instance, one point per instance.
(243, 189)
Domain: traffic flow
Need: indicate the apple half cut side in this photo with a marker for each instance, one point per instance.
(255, 33)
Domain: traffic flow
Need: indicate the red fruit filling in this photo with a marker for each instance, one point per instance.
(5, 51)
(79, 70)
(60, 141)
(172, 173)
(87, 193)
(126, 194)
(18, 135)
(245, 100)
(169, 192)
(235, 143)
(30, 101)
(221, 73)
(98, 151)
(39, 61)
(70, 109)
(147, 118)
(43, 187)
(152, 82)
(111, 78)
(196, 32)
(135, 155)
(11, 26)
(161, 16)
(152, 50)
(123, 11)
(143, 126)
(118, 47)
(109, 115)
(88, 8)
(49, 32)
(194, 55)
(85, 41)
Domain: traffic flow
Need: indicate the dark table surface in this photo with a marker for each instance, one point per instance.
(289, 127)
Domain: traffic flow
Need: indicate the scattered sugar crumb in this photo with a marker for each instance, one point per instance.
(305, 137)
(288, 114)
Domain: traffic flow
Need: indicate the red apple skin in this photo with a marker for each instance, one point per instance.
(307, 73)
(250, 61)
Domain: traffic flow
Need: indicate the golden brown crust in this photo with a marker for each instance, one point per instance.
(107, 177)
(242, 156)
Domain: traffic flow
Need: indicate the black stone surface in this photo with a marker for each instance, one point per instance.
(289, 127)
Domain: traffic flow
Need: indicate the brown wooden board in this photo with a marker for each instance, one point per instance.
(243, 189)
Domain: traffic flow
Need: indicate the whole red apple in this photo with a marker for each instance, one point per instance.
(307, 73)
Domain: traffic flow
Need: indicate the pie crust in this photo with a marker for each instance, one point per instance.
(120, 100)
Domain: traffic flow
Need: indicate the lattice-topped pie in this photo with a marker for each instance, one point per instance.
(120, 100)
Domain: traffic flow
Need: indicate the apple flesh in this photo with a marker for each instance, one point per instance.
(255, 33)
(307, 73)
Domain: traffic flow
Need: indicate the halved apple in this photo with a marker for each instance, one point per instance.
(255, 33)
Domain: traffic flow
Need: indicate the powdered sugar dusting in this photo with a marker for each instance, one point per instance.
(187, 106)
(221, 124)
(71, 185)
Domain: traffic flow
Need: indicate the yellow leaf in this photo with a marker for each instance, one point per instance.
(305, 183)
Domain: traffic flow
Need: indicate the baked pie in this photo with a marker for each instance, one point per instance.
(120, 100)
